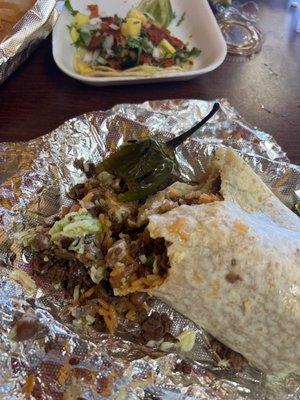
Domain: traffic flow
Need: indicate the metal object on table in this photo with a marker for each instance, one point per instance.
(238, 23)
(295, 4)
(35, 26)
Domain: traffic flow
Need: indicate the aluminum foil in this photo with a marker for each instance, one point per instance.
(27, 34)
(60, 362)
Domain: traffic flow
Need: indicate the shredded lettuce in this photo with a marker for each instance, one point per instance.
(25, 238)
(78, 246)
(75, 225)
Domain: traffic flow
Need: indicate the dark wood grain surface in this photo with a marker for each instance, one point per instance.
(264, 88)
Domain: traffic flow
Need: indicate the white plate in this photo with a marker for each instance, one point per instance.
(199, 29)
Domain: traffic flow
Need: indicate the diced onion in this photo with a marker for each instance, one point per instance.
(110, 52)
(76, 293)
(156, 52)
(88, 57)
(95, 21)
(154, 343)
(101, 60)
(143, 258)
(90, 320)
(90, 28)
(108, 42)
(96, 274)
(114, 27)
(96, 55)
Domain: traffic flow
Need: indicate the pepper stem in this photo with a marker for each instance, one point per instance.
(180, 139)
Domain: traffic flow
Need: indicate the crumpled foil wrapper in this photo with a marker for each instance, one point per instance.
(62, 363)
(27, 34)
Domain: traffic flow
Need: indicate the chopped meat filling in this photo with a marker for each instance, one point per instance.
(226, 357)
(232, 277)
(156, 326)
(157, 34)
(133, 262)
(100, 253)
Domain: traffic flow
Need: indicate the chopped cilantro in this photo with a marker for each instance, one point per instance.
(141, 44)
(84, 39)
(297, 207)
(143, 33)
(117, 20)
(70, 8)
(194, 52)
(181, 19)
(133, 43)
(147, 46)
(150, 261)
(184, 55)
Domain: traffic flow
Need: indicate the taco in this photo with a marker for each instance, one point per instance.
(133, 46)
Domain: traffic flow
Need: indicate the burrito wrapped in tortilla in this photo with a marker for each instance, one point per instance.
(235, 267)
(225, 253)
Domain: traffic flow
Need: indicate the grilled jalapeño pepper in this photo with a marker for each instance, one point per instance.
(147, 165)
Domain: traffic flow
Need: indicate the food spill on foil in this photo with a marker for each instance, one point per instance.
(99, 252)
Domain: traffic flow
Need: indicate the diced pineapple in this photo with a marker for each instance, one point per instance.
(80, 20)
(135, 13)
(166, 47)
(83, 69)
(74, 34)
(131, 27)
(124, 29)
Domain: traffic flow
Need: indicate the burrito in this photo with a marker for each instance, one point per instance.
(225, 253)
(235, 267)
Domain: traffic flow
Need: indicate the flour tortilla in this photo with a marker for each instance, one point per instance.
(235, 267)
(141, 70)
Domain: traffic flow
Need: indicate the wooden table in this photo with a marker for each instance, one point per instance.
(265, 88)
